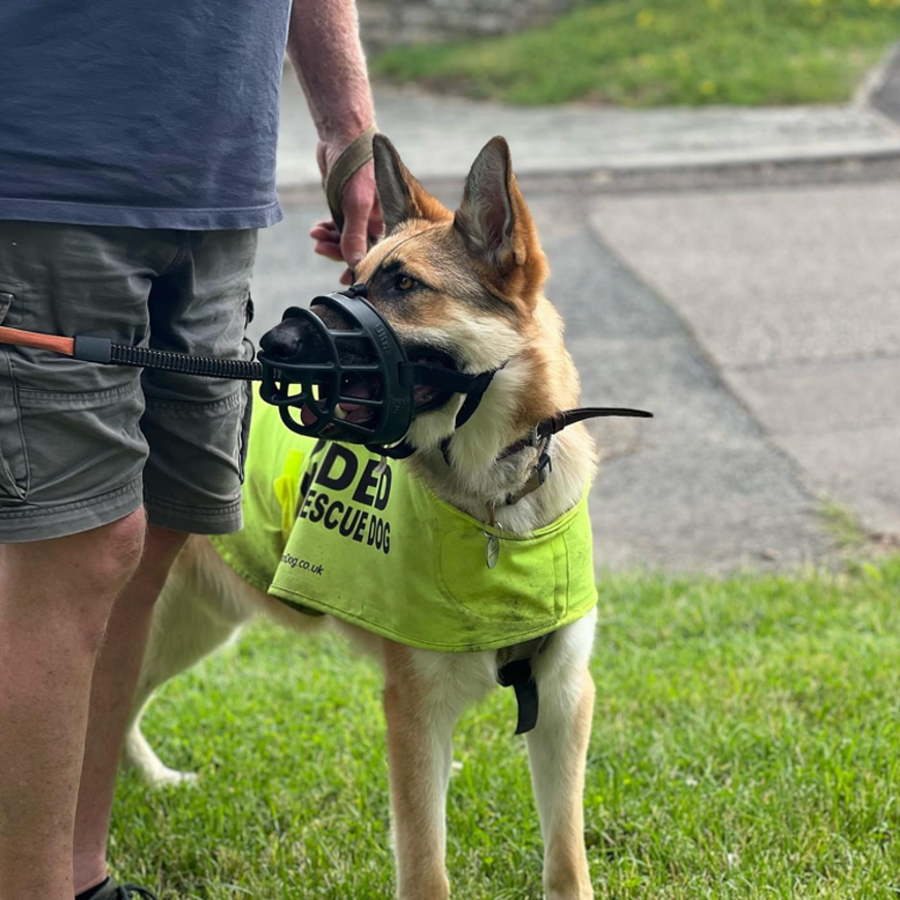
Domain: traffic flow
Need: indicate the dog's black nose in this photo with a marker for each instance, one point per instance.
(296, 337)
(285, 339)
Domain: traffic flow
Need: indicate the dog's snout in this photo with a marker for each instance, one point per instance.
(284, 340)
(297, 337)
(294, 337)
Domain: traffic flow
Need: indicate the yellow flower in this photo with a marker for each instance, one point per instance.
(707, 87)
(815, 3)
(682, 60)
(714, 5)
(874, 2)
(645, 18)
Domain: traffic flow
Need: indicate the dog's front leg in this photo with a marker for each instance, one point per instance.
(557, 749)
(420, 717)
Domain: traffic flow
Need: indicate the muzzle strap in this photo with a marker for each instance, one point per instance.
(450, 381)
(445, 379)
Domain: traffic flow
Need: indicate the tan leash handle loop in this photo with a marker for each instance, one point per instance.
(353, 158)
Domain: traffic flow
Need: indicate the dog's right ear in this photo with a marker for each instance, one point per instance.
(402, 197)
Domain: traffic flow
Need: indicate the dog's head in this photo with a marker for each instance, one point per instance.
(460, 288)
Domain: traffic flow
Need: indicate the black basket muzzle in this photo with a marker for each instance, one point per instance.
(320, 375)
(322, 383)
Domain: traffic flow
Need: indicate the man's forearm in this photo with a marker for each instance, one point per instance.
(324, 47)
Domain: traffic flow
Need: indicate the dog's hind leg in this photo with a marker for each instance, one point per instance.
(423, 697)
(557, 750)
(196, 613)
(168, 654)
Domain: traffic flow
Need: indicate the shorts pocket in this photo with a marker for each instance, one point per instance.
(81, 444)
(13, 460)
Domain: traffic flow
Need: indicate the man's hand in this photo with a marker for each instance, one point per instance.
(323, 45)
(362, 216)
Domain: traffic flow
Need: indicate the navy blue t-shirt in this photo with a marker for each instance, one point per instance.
(149, 113)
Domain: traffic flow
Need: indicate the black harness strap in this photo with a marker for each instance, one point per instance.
(518, 675)
(514, 670)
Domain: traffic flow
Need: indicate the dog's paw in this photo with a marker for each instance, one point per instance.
(138, 754)
(166, 777)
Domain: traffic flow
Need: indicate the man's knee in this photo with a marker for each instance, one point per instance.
(102, 559)
(111, 560)
(73, 579)
(114, 551)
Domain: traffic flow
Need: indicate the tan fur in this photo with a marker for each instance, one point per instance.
(566, 869)
(420, 840)
(425, 207)
(484, 303)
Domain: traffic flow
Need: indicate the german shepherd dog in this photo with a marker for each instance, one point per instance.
(470, 282)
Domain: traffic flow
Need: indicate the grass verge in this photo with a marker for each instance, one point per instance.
(667, 52)
(746, 745)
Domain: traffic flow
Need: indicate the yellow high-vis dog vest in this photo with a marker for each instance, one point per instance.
(328, 529)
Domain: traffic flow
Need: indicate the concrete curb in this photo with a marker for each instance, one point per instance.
(438, 137)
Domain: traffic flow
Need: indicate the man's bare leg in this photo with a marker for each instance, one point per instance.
(115, 678)
(55, 600)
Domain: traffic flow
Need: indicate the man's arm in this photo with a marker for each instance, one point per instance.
(324, 47)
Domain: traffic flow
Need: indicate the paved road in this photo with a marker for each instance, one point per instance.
(795, 296)
(755, 309)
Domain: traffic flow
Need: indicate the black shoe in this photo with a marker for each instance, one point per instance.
(113, 891)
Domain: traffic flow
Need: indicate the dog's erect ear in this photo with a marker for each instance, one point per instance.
(402, 197)
(493, 218)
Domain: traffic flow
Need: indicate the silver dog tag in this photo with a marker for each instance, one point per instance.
(492, 550)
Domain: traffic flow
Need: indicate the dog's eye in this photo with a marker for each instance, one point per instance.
(405, 283)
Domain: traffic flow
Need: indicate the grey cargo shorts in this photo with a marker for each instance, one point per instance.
(83, 444)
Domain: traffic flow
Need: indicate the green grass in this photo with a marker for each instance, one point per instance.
(746, 745)
(844, 527)
(660, 52)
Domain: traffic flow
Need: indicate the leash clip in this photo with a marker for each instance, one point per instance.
(543, 468)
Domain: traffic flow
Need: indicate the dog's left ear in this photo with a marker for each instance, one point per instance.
(402, 197)
(493, 217)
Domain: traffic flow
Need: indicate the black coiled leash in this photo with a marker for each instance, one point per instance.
(103, 350)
